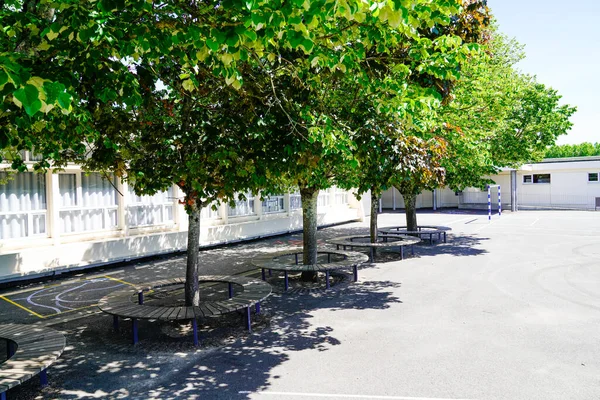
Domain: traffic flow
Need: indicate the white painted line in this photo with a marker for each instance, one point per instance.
(346, 396)
(534, 222)
(459, 220)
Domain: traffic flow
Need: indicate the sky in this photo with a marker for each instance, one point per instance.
(562, 47)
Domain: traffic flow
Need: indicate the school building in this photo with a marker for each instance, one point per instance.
(67, 220)
(554, 183)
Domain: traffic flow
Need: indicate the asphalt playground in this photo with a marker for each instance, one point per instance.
(507, 309)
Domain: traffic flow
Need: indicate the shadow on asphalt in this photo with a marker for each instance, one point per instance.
(99, 363)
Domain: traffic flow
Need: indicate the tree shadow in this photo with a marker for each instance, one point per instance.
(99, 363)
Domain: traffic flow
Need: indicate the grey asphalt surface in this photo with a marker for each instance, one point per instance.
(505, 310)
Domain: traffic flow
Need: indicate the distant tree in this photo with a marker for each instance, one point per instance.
(585, 149)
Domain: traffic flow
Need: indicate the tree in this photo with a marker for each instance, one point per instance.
(585, 149)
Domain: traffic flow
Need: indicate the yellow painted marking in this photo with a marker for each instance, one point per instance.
(22, 307)
(118, 280)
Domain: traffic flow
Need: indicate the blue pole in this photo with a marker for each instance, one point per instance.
(489, 204)
(499, 202)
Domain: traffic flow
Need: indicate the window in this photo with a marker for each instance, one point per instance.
(242, 207)
(208, 212)
(323, 199)
(341, 196)
(536, 178)
(273, 204)
(295, 200)
(22, 206)
(149, 210)
(593, 177)
(88, 202)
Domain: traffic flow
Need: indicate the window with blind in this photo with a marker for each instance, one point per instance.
(23, 206)
(273, 204)
(88, 202)
(242, 207)
(150, 210)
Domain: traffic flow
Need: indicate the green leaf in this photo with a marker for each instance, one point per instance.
(29, 98)
(64, 100)
(3, 78)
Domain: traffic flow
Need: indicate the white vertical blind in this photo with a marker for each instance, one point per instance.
(150, 210)
(97, 208)
(22, 205)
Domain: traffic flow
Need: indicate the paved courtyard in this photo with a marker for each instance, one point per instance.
(505, 310)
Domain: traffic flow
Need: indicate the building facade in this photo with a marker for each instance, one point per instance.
(562, 183)
(70, 219)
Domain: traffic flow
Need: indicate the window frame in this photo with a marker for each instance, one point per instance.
(597, 177)
(532, 179)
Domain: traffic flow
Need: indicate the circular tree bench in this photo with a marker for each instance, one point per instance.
(30, 351)
(422, 231)
(121, 304)
(383, 242)
(272, 262)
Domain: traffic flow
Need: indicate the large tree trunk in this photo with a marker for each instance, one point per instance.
(374, 214)
(410, 205)
(309, 226)
(192, 295)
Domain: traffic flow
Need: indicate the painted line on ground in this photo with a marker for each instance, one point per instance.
(459, 220)
(118, 280)
(22, 307)
(534, 222)
(346, 396)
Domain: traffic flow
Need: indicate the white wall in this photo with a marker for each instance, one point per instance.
(54, 251)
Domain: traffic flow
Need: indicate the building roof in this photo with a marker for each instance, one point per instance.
(568, 159)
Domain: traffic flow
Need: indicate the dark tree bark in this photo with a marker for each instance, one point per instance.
(374, 215)
(410, 206)
(192, 295)
(309, 227)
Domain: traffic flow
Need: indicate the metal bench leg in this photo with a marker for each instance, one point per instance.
(328, 257)
(287, 285)
(230, 290)
(134, 328)
(43, 378)
(337, 246)
(264, 278)
(248, 319)
(10, 348)
(195, 329)
(116, 322)
(444, 237)
(327, 279)
(372, 255)
(141, 298)
(412, 249)
(257, 305)
(270, 272)
(402, 252)
(355, 270)
(296, 258)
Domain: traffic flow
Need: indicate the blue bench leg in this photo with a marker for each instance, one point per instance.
(10, 348)
(258, 307)
(264, 277)
(287, 285)
(195, 329)
(355, 273)
(270, 272)
(3, 396)
(43, 378)
(402, 252)
(134, 326)
(412, 249)
(141, 298)
(230, 290)
(248, 319)
(372, 255)
(327, 279)
(116, 322)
